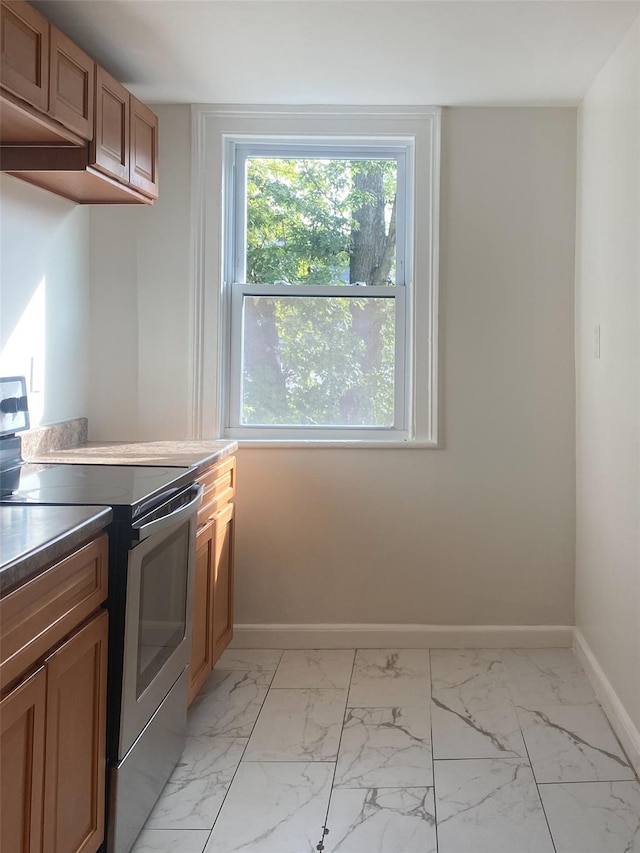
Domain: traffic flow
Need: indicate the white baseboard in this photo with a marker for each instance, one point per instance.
(620, 720)
(401, 636)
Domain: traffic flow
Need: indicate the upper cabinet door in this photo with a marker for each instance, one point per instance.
(110, 146)
(24, 53)
(71, 85)
(143, 169)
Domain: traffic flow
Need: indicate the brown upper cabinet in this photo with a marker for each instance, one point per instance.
(110, 149)
(143, 150)
(24, 58)
(66, 124)
(72, 76)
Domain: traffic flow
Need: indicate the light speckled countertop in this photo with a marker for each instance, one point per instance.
(199, 455)
(33, 537)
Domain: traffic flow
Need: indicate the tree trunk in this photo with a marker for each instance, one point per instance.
(264, 387)
(372, 249)
(372, 256)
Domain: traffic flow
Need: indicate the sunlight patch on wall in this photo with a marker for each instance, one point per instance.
(23, 354)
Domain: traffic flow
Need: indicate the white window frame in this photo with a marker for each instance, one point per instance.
(237, 152)
(218, 133)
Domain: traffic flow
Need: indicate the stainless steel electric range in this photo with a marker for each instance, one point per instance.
(151, 555)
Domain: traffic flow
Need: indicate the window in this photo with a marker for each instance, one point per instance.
(321, 317)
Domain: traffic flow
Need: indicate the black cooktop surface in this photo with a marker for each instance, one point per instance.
(131, 488)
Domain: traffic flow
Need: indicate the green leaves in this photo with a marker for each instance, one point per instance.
(302, 215)
(319, 360)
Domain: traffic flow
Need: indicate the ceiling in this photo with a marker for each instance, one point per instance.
(515, 52)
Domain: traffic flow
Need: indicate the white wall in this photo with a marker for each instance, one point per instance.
(44, 298)
(480, 532)
(608, 388)
(140, 314)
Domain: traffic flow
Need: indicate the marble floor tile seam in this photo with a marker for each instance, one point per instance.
(433, 764)
(580, 742)
(380, 787)
(335, 766)
(226, 794)
(591, 782)
(525, 759)
(537, 789)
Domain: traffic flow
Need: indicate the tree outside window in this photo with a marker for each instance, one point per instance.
(323, 357)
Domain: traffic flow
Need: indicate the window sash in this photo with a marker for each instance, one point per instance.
(398, 432)
(360, 149)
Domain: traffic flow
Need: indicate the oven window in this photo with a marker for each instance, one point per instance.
(163, 605)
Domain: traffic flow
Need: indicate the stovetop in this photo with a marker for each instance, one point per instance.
(131, 490)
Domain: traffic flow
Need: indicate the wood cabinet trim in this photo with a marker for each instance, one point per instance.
(43, 611)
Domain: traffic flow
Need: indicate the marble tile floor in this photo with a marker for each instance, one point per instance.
(398, 751)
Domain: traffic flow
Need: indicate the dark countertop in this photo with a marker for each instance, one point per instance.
(198, 455)
(33, 537)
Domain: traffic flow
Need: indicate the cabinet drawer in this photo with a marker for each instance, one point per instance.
(39, 614)
(219, 488)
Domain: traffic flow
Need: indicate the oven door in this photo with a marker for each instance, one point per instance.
(159, 604)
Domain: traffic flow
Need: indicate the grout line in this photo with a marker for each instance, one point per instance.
(335, 766)
(235, 773)
(535, 781)
(591, 782)
(433, 759)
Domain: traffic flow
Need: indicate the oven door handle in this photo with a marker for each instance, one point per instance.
(142, 531)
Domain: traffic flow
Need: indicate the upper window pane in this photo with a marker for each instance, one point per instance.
(320, 221)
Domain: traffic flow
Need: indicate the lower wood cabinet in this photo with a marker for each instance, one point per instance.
(75, 759)
(223, 539)
(22, 725)
(201, 662)
(53, 712)
(212, 629)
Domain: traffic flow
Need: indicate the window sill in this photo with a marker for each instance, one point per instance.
(304, 444)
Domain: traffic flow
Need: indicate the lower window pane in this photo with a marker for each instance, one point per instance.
(318, 361)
